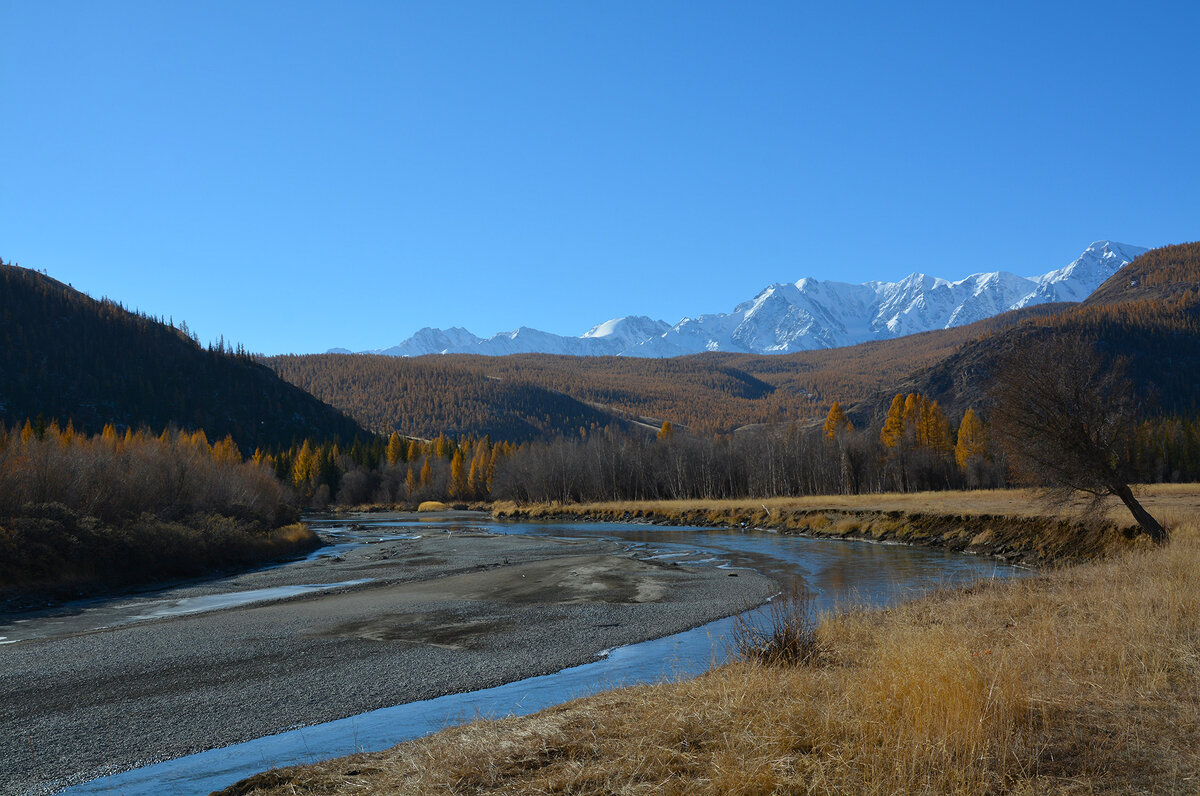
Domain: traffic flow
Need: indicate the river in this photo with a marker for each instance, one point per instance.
(838, 573)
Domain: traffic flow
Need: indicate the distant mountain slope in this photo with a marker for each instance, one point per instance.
(1149, 313)
(66, 355)
(806, 315)
(425, 397)
(1158, 274)
(538, 395)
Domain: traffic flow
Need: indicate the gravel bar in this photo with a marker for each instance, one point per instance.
(442, 614)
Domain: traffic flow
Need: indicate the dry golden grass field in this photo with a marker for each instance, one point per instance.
(1163, 500)
(1080, 679)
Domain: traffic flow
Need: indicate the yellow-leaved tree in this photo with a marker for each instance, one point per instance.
(477, 474)
(893, 426)
(932, 428)
(304, 466)
(972, 440)
(458, 476)
(396, 448)
(836, 421)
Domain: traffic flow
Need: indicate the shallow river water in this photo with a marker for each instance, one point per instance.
(840, 573)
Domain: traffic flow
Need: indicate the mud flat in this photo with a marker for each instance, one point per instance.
(434, 615)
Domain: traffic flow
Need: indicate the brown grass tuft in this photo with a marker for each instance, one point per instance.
(782, 633)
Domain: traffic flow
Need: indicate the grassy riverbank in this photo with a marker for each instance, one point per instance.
(1080, 679)
(1012, 524)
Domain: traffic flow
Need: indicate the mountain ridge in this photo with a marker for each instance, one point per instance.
(1147, 317)
(712, 392)
(805, 315)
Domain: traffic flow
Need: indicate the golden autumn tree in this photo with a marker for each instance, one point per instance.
(892, 433)
(395, 448)
(972, 439)
(932, 430)
(68, 435)
(226, 451)
(108, 434)
(477, 475)
(499, 451)
(304, 466)
(666, 432)
(836, 421)
(200, 439)
(912, 411)
(443, 447)
(458, 476)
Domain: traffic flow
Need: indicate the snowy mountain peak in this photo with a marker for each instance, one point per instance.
(804, 315)
(633, 328)
(1078, 279)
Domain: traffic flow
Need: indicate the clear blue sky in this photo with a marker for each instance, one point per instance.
(302, 175)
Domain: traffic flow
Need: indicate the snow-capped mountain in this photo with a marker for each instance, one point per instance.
(804, 315)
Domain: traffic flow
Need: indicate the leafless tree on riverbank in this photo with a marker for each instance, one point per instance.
(1067, 415)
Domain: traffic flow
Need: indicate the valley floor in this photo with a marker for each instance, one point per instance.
(442, 613)
(1082, 679)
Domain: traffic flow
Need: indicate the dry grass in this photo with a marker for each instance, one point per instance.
(1172, 500)
(1079, 680)
(1017, 525)
(782, 633)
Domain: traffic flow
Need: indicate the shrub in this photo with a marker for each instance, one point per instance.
(781, 633)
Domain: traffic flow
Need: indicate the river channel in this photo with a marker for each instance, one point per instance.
(839, 574)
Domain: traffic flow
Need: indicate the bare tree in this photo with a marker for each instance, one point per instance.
(1066, 416)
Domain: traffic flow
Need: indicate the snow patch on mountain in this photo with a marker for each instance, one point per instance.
(804, 315)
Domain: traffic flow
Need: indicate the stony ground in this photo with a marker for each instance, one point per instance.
(443, 614)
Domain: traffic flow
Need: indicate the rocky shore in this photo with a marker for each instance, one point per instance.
(441, 614)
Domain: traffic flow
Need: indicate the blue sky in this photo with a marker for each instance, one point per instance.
(297, 176)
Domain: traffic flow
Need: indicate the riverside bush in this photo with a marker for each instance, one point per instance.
(79, 513)
(783, 634)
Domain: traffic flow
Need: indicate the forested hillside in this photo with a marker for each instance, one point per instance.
(437, 395)
(1161, 273)
(526, 396)
(67, 356)
(1148, 315)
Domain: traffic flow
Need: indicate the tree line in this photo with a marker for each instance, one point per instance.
(80, 511)
(116, 475)
(916, 447)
